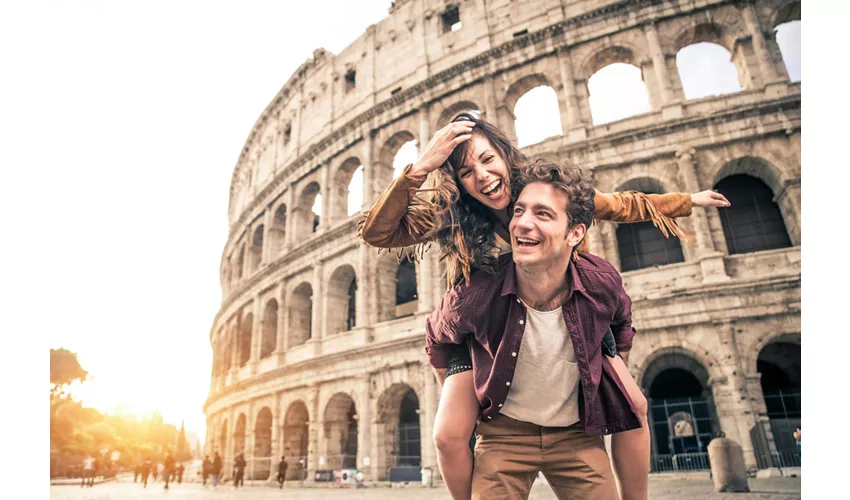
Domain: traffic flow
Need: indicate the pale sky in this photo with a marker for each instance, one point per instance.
(122, 128)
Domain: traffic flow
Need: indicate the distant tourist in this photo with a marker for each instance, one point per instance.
(797, 435)
(88, 471)
(168, 465)
(216, 469)
(137, 472)
(206, 468)
(239, 471)
(281, 470)
(147, 468)
(180, 470)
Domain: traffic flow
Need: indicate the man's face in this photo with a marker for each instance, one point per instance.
(539, 232)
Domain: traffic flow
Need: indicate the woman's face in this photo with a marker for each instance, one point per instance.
(484, 174)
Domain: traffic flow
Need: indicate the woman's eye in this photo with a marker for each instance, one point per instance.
(465, 174)
(487, 160)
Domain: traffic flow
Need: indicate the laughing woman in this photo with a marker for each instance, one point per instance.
(467, 214)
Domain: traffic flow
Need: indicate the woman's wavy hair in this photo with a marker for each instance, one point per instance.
(464, 226)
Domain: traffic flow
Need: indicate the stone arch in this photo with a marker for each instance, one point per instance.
(689, 356)
(341, 306)
(398, 413)
(537, 111)
(239, 435)
(246, 328)
(406, 292)
(705, 60)
(340, 432)
(296, 439)
(758, 189)
(682, 417)
(452, 110)
(340, 189)
(300, 315)
(277, 230)
(385, 166)
(609, 65)
(641, 245)
(269, 335)
(786, 24)
(240, 262)
(306, 221)
(262, 458)
(768, 171)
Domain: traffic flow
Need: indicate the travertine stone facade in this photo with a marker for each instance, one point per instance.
(303, 359)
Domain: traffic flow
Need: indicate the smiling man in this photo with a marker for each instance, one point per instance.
(535, 329)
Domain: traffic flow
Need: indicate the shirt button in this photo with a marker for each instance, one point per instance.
(518, 301)
(513, 354)
(489, 418)
(507, 383)
(521, 322)
(500, 405)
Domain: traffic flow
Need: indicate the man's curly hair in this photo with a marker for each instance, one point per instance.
(570, 179)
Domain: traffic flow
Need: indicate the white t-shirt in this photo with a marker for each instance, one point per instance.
(544, 390)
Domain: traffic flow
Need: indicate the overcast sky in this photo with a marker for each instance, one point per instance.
(126, 120)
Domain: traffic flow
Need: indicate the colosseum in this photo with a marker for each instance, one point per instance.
(319, 342)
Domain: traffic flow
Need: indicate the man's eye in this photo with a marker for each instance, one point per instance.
(517, 211)
(543, 214)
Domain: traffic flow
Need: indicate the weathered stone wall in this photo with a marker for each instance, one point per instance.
(711, 314)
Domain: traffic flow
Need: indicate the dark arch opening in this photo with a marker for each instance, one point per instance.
(753, 222)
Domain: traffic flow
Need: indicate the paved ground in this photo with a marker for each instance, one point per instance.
(660, 489)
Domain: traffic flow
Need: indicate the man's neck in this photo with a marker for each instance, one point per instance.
(543, 287)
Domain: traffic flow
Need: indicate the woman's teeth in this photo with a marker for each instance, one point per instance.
(492, 187)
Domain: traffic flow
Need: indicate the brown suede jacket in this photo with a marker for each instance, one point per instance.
(385, 225)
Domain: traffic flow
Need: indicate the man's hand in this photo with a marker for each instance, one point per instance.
(709, 198)
(625, 356)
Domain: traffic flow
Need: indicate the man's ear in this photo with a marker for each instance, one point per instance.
(575, 234)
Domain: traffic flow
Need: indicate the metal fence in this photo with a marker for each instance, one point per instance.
(681, 429)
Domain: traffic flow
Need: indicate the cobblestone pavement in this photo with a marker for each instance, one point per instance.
(661, 489)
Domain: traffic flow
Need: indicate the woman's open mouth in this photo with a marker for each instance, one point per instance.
(493, 190)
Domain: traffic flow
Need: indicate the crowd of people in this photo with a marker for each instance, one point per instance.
(169, 470)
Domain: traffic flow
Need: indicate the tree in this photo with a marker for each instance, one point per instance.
(64, 369)
(182, 453)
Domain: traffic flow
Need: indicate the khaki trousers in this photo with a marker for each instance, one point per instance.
(510, 453)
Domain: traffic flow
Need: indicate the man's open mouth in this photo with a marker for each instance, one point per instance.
(526, 242)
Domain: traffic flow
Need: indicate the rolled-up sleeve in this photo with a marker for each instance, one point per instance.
(622, 324)
(444, 329)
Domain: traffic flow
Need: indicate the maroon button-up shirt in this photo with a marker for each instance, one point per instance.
(488, 316)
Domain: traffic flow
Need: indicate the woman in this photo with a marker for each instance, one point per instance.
(468, 215)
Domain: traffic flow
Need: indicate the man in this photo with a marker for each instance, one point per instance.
(147, 467)
(239, 471)
(216, 469)
(168, 465)
(534, 329)
(206, 468)
(88, 470)
(281, 471)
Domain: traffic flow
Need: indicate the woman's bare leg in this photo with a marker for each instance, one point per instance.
(630, 449)
(453, 426)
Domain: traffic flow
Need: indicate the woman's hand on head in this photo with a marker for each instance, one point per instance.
(441, 146)
(709, 198)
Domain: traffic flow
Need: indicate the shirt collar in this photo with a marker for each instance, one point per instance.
(574, 284)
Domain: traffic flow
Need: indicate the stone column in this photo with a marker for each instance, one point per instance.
(276, 435)
(282, 320)
(768, 72)
(318, 325)
(364, 426)
(734, 409)
(659, 63)
(266, 250)
(426, 420)
(490, 99)
(313, 450)
(227, 453)
(256, 334)
(326, 220)
(788, 201)
(369, 173)
(365, 278)
(710, 259)
(250, 441)
(571, 118)
(289, 200)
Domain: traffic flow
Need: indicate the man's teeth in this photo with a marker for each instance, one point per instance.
(526, 241)
(489, 189)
